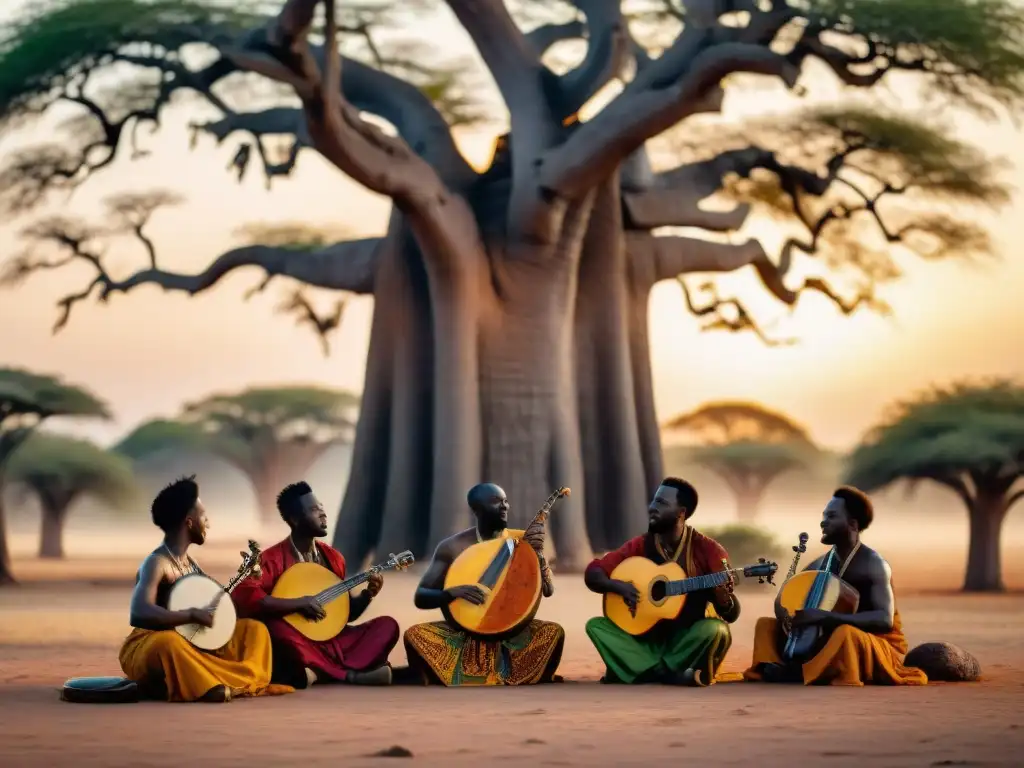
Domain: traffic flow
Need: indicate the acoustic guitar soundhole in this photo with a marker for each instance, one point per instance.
(658, 590)
(516, 596)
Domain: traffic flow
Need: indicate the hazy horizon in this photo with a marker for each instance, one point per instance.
(148, 352)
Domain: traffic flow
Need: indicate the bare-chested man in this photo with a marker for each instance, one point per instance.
(154, 655)
(863, 647)
(441, 654)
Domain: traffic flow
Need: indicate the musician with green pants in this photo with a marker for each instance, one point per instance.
(689, 649)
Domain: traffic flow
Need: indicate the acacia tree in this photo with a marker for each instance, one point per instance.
(273, 435)
(746, 445)
(967, 437)
(61, 470)
(26, 401)
(510, 338)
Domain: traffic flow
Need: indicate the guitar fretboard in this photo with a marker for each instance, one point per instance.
(696, 583)
(339, 589)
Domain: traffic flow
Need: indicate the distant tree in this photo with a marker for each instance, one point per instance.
(746, 445)
(967, 437)
(273, 435)
(746, 543)
(59, 471)
(26, 400)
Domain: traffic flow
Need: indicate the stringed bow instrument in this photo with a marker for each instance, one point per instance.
(507, 571)
(820, 589)
(313, 580)
(197, 590)
(663, 590)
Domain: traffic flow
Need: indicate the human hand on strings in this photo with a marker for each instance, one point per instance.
(310, 608)
(809, 617)
(628, 592)
(374, 584)
(201, 616)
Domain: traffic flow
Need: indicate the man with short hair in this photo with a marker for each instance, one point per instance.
(154, 655)
(442, 654)
(689, 649)
(358, 655)
(863, 647)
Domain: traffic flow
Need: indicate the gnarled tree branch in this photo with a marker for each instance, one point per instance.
(640, 113)
(608, 52)
(348, 266)
(675, 195)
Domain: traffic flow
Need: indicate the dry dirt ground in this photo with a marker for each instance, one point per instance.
(67, 620)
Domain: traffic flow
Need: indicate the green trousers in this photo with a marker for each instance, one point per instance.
(643, 658)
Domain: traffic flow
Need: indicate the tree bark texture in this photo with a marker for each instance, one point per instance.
(984, 564)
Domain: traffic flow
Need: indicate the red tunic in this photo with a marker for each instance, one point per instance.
(705, 556)
(357, 647)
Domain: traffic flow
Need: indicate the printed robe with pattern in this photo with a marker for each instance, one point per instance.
(850, 655)
(697, 639)
(445, 655)
(358, 647)
(167, 666)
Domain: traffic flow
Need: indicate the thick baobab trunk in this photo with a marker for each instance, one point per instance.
(6, 571)
(51, 538)
(528, 406)
(614, 456)
(984, 565)
(406, 424)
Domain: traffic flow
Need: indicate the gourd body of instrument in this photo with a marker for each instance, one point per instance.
(812, 589)
(663, 590)
(197, 590)
(508, 572)
(312, 580)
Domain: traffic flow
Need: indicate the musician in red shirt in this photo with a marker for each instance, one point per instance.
(688, 649)
(359, 653)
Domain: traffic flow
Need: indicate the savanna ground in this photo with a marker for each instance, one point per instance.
(67, 619)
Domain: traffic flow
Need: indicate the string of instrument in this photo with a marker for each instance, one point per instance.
(509, 575)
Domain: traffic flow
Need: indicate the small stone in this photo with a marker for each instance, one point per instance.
(395, 751)
(944, 662)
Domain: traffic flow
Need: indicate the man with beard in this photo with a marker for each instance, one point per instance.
(358, 654)
(163, 663)
(689, 649)
(863, 647)
(441, 654)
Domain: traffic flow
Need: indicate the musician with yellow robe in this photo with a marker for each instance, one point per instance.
(162, 662)
(866, 647)
(441, 654)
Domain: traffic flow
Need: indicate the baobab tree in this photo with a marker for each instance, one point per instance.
(26, 401)
(509, 339)
(59, 471)
(273, 435)
(966, 437)
(746, 445)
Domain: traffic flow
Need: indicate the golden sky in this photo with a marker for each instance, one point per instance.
(147, 352)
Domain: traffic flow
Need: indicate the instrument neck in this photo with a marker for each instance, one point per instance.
(696, 583)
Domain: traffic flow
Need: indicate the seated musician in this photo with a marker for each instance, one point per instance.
(162, 662)
(864, 647)
(689, 649)
(441, 654)
(358, 655)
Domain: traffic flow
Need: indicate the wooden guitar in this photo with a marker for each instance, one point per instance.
(811, 589)
(312, 580)
(663, 590)
(197, 590)
(507, 570)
